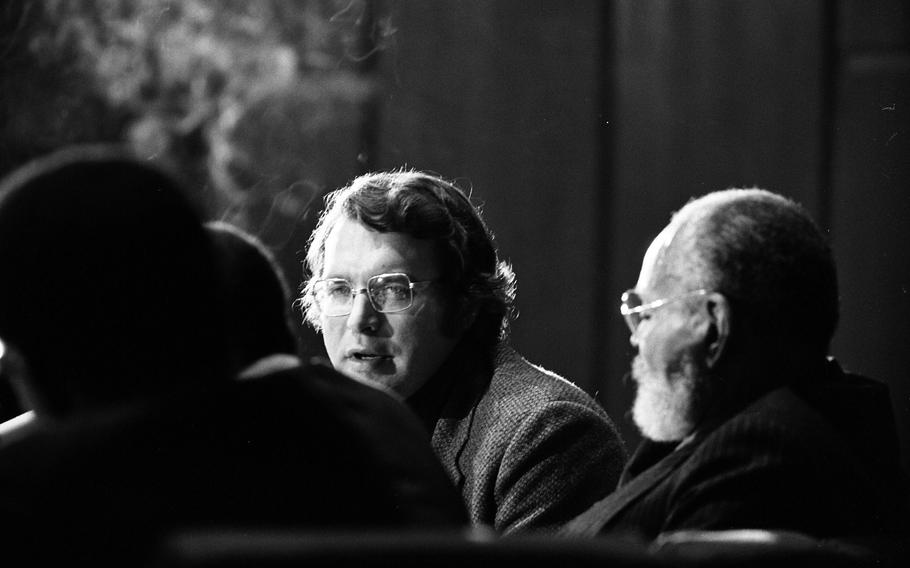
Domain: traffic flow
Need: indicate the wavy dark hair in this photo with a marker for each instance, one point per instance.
(425, 206)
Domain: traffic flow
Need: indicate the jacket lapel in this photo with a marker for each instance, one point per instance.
(592, 521)
(462, 383)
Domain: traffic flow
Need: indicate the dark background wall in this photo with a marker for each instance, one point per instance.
(580, 125)
(869, 199)
(505, 97)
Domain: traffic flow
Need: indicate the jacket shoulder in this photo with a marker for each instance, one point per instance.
(519, 384)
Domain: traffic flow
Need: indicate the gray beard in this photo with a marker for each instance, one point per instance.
(668, 405)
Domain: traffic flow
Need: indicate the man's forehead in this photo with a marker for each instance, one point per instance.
(353, 247)
(654, 262)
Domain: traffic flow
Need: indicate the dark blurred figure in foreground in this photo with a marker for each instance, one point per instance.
(17, 418)
(748, 423)
(111, 293)
(408, 291)
(11, 405)
(258, 299)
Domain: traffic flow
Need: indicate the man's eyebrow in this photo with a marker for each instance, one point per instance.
(329, 276)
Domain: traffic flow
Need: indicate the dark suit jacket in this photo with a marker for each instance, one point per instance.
(527, 448)
(819, 459)
(302, 447)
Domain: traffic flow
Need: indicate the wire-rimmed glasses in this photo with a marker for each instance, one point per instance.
(632, 308)
(388, 293)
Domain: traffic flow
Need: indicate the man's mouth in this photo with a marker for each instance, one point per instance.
(367, 356)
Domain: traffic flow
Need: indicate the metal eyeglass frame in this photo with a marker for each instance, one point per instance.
(632, 315)
(412, 285)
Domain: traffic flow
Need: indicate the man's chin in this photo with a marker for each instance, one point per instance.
(663, 405)
(376, 380)
(654, 424)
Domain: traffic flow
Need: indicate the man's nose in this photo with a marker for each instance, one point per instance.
(633, 338)
(363, 316)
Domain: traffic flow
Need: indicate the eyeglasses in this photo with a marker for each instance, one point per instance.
(631, 307)
(388, 293)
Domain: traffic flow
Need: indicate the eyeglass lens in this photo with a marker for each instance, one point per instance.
(387, 293)
(630, 301)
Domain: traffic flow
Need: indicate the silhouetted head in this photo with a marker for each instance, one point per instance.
(257, 297)
(108, 279)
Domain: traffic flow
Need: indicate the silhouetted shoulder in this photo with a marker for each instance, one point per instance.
(354, 417)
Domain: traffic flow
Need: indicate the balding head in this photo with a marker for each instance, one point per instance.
(766, 255)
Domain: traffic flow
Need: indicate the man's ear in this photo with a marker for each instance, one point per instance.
(718, 332)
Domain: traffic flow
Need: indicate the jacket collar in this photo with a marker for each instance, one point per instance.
(592, 521)
(454, 390)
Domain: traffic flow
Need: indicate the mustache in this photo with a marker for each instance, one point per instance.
(627, 378)
(639, 370)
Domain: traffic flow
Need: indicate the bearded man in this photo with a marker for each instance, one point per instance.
(748, 423)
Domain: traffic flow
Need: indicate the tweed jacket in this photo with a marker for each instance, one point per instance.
(528, 449)
(822, 461)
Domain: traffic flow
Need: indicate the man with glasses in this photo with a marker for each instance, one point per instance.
(409, 293)
(748, 424)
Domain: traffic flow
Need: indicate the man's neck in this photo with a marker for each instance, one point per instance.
(466, 365)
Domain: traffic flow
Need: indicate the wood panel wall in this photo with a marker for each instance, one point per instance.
(504, 97)
(870, 195)
(706, 95)
(582, 125)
